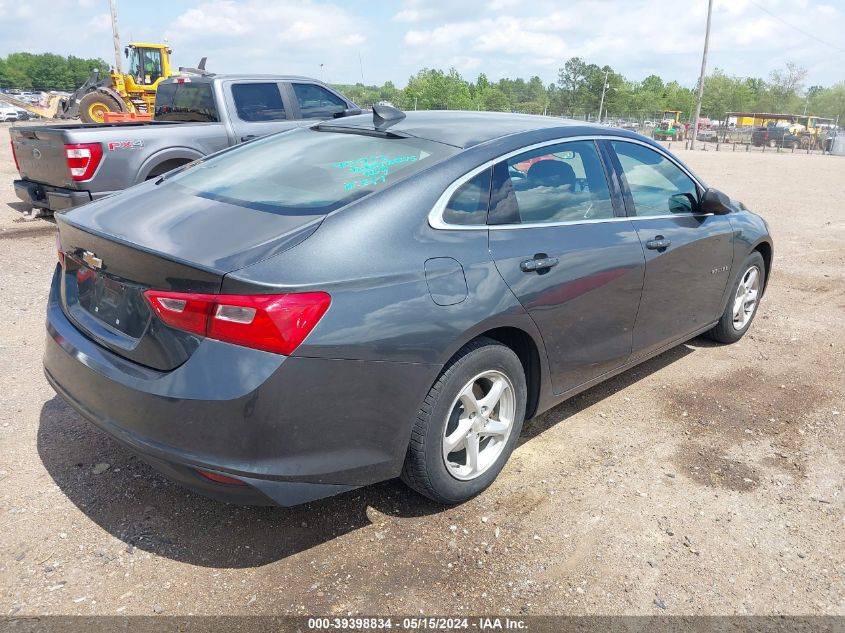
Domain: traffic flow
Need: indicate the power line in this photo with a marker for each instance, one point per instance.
(796, 28)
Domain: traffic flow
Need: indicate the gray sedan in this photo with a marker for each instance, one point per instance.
(386, 295)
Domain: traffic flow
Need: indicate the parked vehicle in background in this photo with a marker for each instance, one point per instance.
(670, 127)
(62, 166)
(706, 130)
(8, 114)
(386, 295)
(775, 136)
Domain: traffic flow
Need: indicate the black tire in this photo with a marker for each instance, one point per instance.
(99, 102)
(425, 469)
(725, 330)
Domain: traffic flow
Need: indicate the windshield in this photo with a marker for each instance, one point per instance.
(308, 172)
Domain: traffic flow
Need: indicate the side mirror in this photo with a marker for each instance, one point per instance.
(714, 201)
(126, 52)
(346, 112)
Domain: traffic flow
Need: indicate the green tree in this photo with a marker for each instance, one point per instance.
(495, 100)
(47, 71)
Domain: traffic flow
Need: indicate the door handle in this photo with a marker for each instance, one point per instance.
(248, 137)
(659, 243)
(538, 263)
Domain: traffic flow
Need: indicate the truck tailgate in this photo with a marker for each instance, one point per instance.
(41, 155)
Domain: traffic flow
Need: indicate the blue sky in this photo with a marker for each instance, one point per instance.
(393, 39)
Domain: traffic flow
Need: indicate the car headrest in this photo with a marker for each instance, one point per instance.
(551, 173)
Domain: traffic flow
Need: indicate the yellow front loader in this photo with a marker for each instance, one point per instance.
(133, 91)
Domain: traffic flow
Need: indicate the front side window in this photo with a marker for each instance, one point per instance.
(557, 183)
(317, 102)
(658, 186)
(468, 205)
(258, 102)
(152, 65)
(308, 171)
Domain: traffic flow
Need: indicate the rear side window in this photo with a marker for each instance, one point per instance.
(308, 171)
(316, 102)
(557, 183)
(468, 205)
(189, 101)
(258, 102)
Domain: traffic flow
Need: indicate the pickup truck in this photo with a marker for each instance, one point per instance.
(63, 166)
(774, 136)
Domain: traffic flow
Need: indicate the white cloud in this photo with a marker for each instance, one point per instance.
(407, 15)
(498, 37)
(100, 23)
(274, 36)
(498, 5)
(527, 38)
(285, 22)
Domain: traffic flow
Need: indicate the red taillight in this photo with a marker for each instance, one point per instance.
(60, 253)
(220, 479)
(274, 323)
(765, 136)
(83, 159)
(15, 157)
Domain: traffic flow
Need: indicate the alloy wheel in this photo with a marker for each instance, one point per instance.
(479, 425)
(745, 300)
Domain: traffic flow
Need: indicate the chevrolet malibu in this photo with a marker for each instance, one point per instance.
(386, 295)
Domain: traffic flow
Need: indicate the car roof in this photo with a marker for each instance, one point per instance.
(209, 77)
(462, 128)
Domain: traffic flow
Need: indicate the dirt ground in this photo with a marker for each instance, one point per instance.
(708, 480)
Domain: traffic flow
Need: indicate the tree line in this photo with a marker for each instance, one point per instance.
(45, 71)
(577, 93)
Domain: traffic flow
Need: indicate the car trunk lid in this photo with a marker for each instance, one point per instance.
(179, 242)
(40, 152)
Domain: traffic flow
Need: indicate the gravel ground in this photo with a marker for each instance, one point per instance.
(708, 480)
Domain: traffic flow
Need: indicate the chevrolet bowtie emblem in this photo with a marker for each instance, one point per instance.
(92, 260)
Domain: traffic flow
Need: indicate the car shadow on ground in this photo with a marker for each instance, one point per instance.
(135, 504)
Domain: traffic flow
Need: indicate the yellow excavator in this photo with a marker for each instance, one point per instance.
(131, 92)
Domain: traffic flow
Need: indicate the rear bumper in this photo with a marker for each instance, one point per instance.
(53, 198)
(292, 429)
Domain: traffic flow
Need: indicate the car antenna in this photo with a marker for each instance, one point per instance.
(384, 116)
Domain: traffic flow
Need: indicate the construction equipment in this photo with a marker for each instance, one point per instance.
(47, 112)
(812, 130)
(134, 91)
(670, 127)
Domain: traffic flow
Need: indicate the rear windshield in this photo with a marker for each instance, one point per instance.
(308, 172)
(190, 101)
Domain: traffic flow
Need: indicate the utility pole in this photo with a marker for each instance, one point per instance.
(115, 36)
(603, 90)
(701, 77)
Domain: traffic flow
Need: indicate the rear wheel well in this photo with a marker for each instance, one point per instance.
(166, 166)
(765, 249)
(524, 347)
